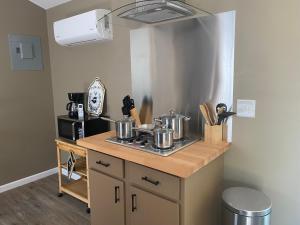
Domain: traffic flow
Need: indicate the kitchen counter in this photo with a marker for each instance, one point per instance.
(183, 163)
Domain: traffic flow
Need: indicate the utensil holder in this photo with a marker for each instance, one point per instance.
(215, 134)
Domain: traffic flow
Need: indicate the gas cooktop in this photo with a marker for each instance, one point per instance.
(145, 143)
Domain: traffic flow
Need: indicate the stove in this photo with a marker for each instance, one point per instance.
(145, 143)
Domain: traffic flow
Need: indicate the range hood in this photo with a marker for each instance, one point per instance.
(156, 11)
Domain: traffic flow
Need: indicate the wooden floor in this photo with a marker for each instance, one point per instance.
(37, 204)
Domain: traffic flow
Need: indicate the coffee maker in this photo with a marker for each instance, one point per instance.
(75, 107)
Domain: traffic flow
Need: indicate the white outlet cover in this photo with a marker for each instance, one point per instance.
(246, 108)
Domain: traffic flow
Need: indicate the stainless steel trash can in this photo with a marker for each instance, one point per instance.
(245, 206)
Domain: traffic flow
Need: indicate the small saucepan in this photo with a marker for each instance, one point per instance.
(124, 127)
(162, 137)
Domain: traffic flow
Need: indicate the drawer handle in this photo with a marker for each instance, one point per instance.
(103, 164)
(150, 181)
(133, 203)
(117, 194)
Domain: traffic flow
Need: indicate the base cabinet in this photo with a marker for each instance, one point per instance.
(147, 209)
(107, 200)
(123, 193)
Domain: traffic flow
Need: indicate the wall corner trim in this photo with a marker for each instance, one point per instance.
(27, 180)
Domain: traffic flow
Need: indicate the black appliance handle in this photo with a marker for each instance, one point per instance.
(68, 106)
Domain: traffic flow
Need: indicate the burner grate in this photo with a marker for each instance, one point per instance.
(145, 143)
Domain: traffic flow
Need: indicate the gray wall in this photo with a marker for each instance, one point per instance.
(264, 154)
(74, 68)
(26, 112)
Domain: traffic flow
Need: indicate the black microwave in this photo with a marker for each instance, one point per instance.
(74, 129)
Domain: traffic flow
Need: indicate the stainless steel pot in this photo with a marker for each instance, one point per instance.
(124, 127)
(162, 137)
(175, 122)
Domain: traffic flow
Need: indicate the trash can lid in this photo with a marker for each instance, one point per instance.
(247, 202)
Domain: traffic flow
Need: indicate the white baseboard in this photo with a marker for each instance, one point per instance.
(74, 175)
(27, 180)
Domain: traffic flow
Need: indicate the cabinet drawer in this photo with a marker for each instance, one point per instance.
(105, 163)
(153, 180)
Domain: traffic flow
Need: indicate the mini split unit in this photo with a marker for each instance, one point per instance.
(89, 27)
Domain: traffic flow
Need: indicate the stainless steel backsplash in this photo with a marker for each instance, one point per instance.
(180, 65)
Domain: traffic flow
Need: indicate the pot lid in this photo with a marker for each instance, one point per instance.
(163, 130)
(247, 202)
(165, 116)
(172, 114)
(126, 119)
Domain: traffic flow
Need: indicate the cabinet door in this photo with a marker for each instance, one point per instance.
(148, 209)
(107, 200)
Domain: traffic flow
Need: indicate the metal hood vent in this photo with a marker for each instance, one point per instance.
(156, 11)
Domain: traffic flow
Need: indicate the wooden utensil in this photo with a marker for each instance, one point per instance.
(205, 115)
(209, 114)
(134, 114)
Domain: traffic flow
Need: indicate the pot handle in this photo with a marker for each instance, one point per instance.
(107, 119)
(142, 130)
(157, 120)
(187, 118)
(173, 113)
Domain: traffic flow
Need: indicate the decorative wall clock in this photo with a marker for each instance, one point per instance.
(96, 98)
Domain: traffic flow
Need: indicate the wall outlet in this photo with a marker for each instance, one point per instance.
(246, 108)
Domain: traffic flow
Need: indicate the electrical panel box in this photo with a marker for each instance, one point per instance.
(25, 52)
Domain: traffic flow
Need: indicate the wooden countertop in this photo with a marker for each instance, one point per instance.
(182, 163)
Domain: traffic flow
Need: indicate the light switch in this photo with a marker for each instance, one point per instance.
(246, 108)
(26, 50)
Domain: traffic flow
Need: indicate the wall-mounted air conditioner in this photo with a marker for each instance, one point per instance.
(85, 28)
